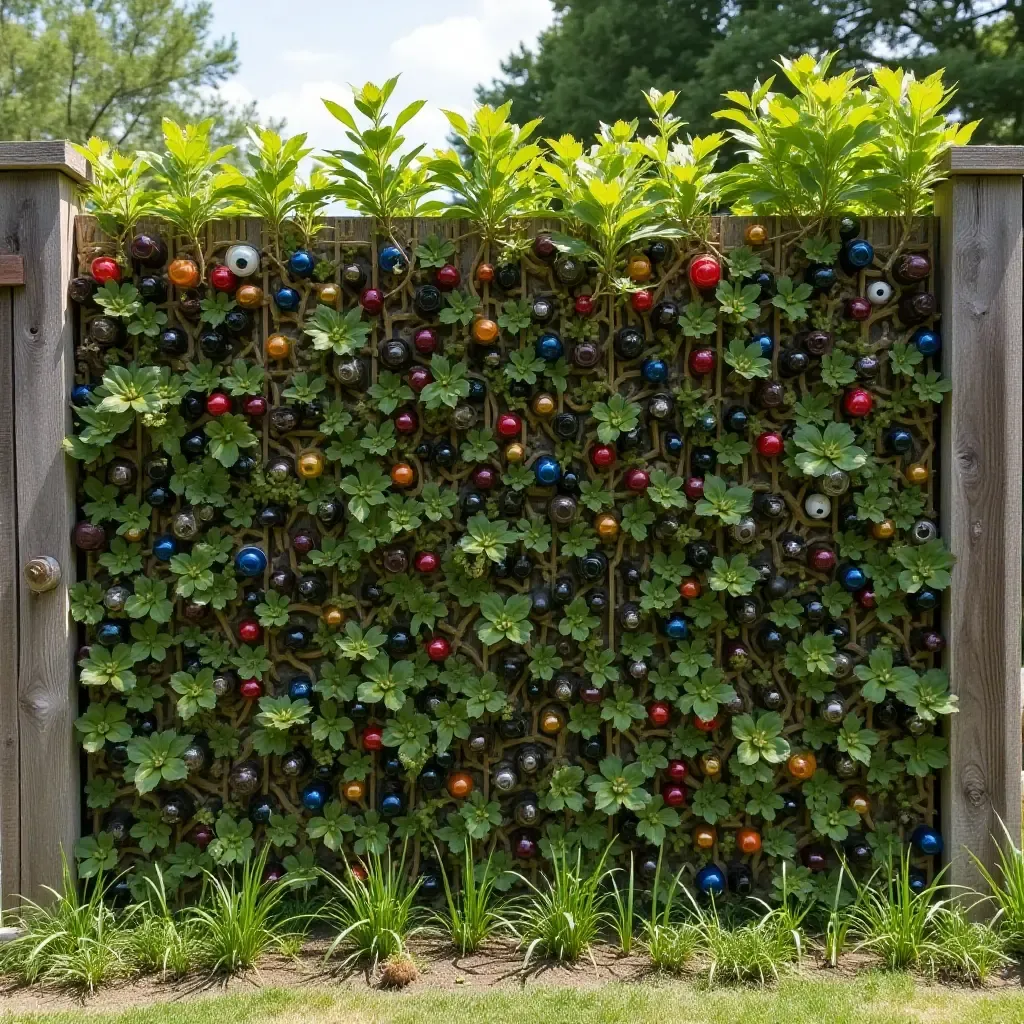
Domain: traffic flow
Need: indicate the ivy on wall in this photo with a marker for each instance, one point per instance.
(525, 532)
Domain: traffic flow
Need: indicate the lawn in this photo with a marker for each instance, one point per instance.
(871, 998)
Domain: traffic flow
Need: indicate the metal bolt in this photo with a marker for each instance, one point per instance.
(42, 573)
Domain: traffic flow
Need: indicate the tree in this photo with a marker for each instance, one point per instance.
(113, 68)
(593, 62)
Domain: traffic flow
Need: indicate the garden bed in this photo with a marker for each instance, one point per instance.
(493, 985)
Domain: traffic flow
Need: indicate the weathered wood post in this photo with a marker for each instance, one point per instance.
(39, 778)
(980, 466)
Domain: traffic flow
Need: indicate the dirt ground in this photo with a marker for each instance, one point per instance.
(497, 966)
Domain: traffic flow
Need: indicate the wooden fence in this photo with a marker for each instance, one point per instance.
(980, 209)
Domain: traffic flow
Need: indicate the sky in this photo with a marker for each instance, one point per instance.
(441, 50)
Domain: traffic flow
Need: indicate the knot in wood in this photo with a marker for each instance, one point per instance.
(968, 462)
(973, 785)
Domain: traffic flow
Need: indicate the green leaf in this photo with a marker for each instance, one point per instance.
(709, 801)
(823, 452)
(234, 843)
(103, 723)
(791, 299)
(448, 386)
(341, 333)
(96, 854)
(705, 694)
(616, 416)
(155, 758)
(618, 786)
(746, 359)
(729, 504)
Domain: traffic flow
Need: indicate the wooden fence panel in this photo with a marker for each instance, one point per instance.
(981, 270)
(10, 795)
(40, 797)
(981, 273)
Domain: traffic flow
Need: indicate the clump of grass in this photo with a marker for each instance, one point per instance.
(374, 916)
(565, 916)
(670, 945)
(237, 920)
(961, 950)
(472, 914)
(159, 941)
(623, 918)
(753, 952)
(291, 944)
(789, 916)
(75, 941)
(892, 920)
(839, 922)
(1008, 892)
(398, 971)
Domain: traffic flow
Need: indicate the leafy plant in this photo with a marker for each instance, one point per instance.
(704, 694)
(271, 190)
(892, 920)
(472, 913)
(449, 384)
(340, 333)
(566, 913)
(604, 193)
(616, 416)
(155, 758)
(486, 538)
(684, 177)
(505, 619)
(117, 194)
(809, 155)
(670, 945)
(374, 916)
(239, 921)
(729, 504)
(913, 135)
(618, 785)
(73, 939)
(760, 738)
(961, 950)
(735, 576)
(833, 449)
(192, 191)
(499, 180)
(1006, 891)
(374, 177)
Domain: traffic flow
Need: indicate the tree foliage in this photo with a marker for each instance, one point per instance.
(594, 62)
(113, 68)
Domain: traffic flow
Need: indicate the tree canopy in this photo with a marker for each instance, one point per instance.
(592, 64)
(112, 68)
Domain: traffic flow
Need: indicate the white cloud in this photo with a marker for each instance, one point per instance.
(440, 58)
(306, 57)
(302, 106)
(452, 56)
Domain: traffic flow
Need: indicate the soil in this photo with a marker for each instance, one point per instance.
(497, 966)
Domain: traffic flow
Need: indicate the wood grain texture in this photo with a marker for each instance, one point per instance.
(12, 271)
(981, 270)
(10, 790)
(37, 211)
(44, 155)
(983, 160)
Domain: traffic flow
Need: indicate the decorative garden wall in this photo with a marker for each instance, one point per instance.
(407, 538)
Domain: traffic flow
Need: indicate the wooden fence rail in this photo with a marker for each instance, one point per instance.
(981, 269)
